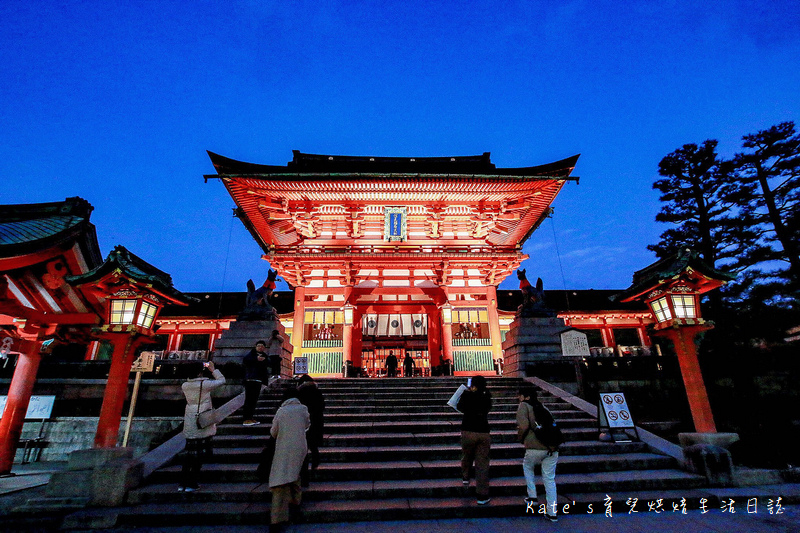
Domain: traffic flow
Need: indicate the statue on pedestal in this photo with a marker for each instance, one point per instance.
(532, 298)
(257, 306)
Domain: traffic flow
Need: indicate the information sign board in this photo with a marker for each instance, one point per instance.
(144, 363)
(574, 344)
(301, 365)
(40, 407)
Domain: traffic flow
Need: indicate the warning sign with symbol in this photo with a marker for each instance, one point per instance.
(613, 411)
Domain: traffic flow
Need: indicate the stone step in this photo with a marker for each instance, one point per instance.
(427, 468)
(431, 410)
(585, 427)
(500, 450)
(248, 504)
(495, 417)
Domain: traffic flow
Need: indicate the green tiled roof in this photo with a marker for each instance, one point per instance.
(669, 267)
(23, 231)
(135, 268)
(30, 228)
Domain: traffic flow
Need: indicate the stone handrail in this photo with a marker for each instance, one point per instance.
(157, 458)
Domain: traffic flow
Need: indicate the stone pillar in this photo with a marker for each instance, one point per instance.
(242, 337)
(19, 396)
(530, 340)
(116, 391)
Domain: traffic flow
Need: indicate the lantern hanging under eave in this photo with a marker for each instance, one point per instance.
(447, 313)
(348, 314)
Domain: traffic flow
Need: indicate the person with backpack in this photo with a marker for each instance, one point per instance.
(539, 433)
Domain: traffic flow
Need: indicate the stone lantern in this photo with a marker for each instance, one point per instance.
(672, 288)
(132, 293)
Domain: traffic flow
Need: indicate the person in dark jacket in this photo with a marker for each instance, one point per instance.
(475, 404)
(256, 372)
(408, 366)
(391, 365)
(310, 396)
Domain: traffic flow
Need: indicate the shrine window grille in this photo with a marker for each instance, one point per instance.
(470, 327)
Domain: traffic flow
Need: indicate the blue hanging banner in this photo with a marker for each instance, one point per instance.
(395, 223)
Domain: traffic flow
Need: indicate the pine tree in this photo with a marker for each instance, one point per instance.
(701, 199)
(770, 173)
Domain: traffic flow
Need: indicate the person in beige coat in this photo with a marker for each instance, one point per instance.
(536, 452)
(198, 441)
(289, 431)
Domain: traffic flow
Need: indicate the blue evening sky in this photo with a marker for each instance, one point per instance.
(117, 102)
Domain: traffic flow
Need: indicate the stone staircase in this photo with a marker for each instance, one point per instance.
(392, 452)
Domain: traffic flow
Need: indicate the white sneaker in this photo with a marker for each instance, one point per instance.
(251, 423)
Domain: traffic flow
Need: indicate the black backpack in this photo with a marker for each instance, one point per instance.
(548, 431)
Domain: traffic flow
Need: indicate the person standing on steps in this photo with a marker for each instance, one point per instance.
(475, 404)
(535, 451)
(289, 428)
(309, 394)
(275, 354)
(408, 366)
(198, 441)
(391, 365)
(256, 371)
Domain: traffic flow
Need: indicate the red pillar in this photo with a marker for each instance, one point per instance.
(447, 342)
(358, 338)
(494, 323)
(683, 339)
(298, 321)
(19, 396)
(116, 392)
(434, 336)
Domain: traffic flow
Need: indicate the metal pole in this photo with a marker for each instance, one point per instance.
(132, 407)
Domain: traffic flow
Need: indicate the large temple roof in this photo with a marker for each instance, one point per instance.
(30, 228)
(334, 164)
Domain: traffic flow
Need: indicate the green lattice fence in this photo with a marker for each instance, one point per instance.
(473, 361)
(325, 363)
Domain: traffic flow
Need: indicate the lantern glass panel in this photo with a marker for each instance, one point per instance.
(146, 315)
(661, 309)
(122, 311)
(684, 306)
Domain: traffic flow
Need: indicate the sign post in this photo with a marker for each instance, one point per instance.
(144, 363)
(614, 415)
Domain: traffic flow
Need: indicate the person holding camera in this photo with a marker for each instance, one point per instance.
(198, 440)
(475, 404)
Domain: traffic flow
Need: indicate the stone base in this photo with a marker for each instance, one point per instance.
(97, 476)
(242, 336)
(723, 440)
(530, 340)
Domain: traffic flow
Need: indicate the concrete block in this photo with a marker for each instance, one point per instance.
(723, 440)
(112, 481)
(710, 461)
(94, 457)
(70, 484)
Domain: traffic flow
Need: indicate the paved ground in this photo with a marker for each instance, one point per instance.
(693, 521)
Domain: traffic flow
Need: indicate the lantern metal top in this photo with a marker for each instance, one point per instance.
(686, 266)
(121, 263)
